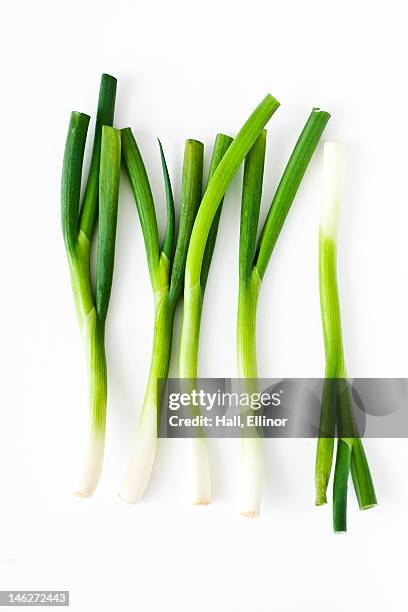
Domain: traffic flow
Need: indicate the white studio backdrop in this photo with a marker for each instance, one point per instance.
(190, 70)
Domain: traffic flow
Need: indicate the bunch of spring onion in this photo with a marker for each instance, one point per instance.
(253, 261)
(196, 267)
(336, 415)
(99, 205)
(166, 265)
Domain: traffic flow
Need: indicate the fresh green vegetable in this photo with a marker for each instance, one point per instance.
(196, 269)
(253, 261)
(200, 458)
(337, 401)
(167, 277)
(100, 203)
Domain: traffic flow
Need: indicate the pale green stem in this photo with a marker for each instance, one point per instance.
(252, 468)
(335, 364)
(81, 277)
(137, 474)
(350, 452)
(246, 326)
(190, 332)
(190, 336)
(92, 332)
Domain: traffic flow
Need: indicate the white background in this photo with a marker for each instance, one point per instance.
(190, 70)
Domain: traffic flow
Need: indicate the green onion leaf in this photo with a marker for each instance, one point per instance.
(142, 192)
(341, 474)
(104, 116)
(222, 142)
(289, 185)
(168, 242)
(250, 206)
(71, 177)
(362, 480)
(325, 443)
(108, 212)
(191, 189)
(219, 182)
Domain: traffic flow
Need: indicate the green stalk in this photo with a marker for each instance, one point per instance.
(249, 279)
(246, 326)
(253, 260)
(191, 333)
(361, 475)
(71, 178)
(221, 145)
(337, 403)
(218, 184)
(289, 185)
(78, 225)
(249, 286)
(341, 474)
(251, 469)
(169, 237)
(335, 368)
(325, 442)
(139, 182)
(193, 306)
(104, 116)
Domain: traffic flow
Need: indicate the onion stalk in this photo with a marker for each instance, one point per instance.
(99, 204)
(195, 271)
(336, 402)
(166, 268)
(253, 261)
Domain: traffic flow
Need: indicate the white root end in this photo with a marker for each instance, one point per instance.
(91, 465)
(334, 164)
(252, 476)
(201, 473)
(138, 472)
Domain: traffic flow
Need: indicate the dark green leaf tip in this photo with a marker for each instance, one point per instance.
(169, 237)
(250, 206)
(289, 185)
(71, 176)
(104, 116)
(191, 188)
(222, 142)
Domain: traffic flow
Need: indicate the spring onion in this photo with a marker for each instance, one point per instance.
(253, 261)
(336, 401)
(189, 371)
(195, 270)
(166, 270)
(100, 203)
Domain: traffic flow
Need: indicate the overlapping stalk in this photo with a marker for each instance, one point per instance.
(100, 204)
(253, 261)
(195, 270)
(337, 411)
(166, 268)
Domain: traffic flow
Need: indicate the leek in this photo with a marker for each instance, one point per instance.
(100, 203)
(337, 403)
(253, 261)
